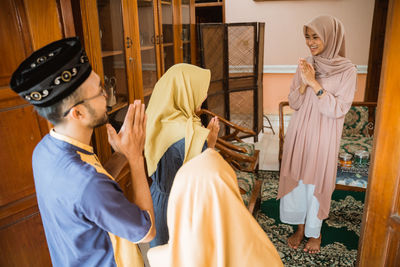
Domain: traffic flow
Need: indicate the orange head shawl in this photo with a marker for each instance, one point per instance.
(208, 222)
(171, 113)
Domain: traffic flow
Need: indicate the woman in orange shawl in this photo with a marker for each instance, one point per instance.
(208, 222)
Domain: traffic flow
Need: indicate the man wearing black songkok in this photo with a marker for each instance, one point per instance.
(86, 218)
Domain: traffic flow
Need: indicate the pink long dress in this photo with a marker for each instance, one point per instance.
(313, 137)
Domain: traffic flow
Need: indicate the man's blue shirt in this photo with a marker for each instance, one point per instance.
(80, 204)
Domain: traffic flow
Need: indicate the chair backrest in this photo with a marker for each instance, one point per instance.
(360, 120)
(240, 155)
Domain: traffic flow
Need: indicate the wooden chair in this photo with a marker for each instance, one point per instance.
(281, 130)
(243, 157)
(240, 155)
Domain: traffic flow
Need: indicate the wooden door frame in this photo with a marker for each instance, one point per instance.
(380, 232)
(156, 38)
(159, 38)
(177, 30)
(193, 39)
(376, 50)
(23, 240)
(133, 55)
(91, 38)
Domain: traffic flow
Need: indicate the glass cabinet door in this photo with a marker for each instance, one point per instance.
(185, 35)
(167, 36)
(114, 44)
(113, 52)
(148, 41)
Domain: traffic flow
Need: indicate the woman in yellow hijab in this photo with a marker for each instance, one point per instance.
(174, 133)
(208, 222)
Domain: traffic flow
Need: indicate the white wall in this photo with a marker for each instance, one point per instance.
(284, 40)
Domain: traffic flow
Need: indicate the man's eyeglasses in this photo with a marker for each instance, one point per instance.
(101, 93)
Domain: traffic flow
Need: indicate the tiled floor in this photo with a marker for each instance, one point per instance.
(268, 144)
(269, 149)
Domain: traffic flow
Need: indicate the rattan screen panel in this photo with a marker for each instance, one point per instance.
(216, 104)
(241, 49)
(241, 106)
(215, 88)
(260, 67)
(234, 54)
(213, 51)
(243, 83)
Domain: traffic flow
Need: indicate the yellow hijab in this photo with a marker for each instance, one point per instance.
(208, 222)
(171, 113)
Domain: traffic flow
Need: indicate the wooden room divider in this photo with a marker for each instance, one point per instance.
(234, 52)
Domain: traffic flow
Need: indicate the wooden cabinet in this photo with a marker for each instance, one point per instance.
(210, 11)
(186, 10)
(125, 182)
(108, 36)
(130, 44)
(149, 42)
(114, 52)
(165, 34)
(152, 34)
(22, 239)
(206, 11)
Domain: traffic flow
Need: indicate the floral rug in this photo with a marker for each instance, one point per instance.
(340, 232)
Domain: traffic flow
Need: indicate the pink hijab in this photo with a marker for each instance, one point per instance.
(332, 59)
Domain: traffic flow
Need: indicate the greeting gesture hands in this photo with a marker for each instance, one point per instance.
(130, 139)
(307, 72)
(213, 126)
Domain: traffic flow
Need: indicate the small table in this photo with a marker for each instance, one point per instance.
(353, 178)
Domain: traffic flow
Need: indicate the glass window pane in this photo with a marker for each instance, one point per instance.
(113, 53)
(167, 34)
(147, 46)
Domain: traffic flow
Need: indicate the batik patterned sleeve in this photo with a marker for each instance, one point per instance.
(104, 203)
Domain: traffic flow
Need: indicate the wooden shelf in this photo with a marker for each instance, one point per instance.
(147, 47)
(208, 4)
(145, 3)
(111, 53)
(186, 42)
(165, 3)
(117, 107)
(168, 44)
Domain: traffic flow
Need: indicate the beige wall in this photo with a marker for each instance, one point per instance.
(284, 41)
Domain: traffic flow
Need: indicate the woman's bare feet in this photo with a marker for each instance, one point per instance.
(313, 245)
(295, 239)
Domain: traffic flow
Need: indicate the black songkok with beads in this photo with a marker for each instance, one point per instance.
(52, 73)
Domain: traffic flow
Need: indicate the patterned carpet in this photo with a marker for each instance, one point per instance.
(340, 232)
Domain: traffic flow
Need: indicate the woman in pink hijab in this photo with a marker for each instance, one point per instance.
(321, 94)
